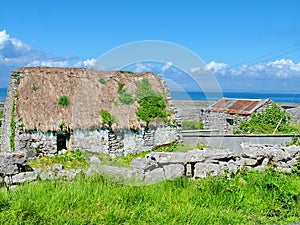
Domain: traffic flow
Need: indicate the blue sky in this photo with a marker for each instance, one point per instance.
(257, 41)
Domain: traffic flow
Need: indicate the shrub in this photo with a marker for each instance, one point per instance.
(192, 125)
(268, 121)
(152, 107)
(152, 104)
(107, 118)
(64, 101)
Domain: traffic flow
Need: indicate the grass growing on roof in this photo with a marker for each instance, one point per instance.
(248, 198)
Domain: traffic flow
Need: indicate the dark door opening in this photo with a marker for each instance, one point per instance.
(61, 142)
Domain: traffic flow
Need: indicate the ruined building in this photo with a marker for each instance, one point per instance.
(50, 109)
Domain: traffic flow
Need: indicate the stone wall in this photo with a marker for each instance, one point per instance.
(159, 166)
(295, 114)
(7, 116)
(232, 141)
(117, 143)
(120, 143)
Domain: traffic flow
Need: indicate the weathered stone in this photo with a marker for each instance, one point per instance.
(168, 157)
(57, 167)
(173, 171)
(144, 163)
(154, 176)
(69, 174)
(203, 170)
(247, 162)
(188, 170)
(124, 175)
(95, 160)
(47, 175)
(8, 169)
(24, 177)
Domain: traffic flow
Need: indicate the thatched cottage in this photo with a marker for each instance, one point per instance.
(49, 109)
(226, 113)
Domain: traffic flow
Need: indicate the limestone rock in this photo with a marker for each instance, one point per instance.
(173, 171)
(154, 176)
(24, 177)
(143, 163)
(203, 170)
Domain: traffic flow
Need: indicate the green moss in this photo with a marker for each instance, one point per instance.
(34, 88)
(107, 118)
(13, 125)
(102, 81)
(124, 96)
(63, 101)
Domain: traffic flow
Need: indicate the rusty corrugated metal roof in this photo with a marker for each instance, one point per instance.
(238, 106)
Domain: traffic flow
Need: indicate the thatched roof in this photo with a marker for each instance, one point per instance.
(88, 91)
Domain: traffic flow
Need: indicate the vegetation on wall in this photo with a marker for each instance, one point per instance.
(152, 103)
(272, 120)
(1, 116)
(102, 81)
(13, 124)
(63, 101)
(125, 71)
(191, 125)
(107, 118)
(124, 96)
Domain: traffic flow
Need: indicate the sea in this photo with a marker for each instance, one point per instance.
(213, 96)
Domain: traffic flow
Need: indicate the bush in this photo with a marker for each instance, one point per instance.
(63, 101)
(152, 104)
(266, 122)
(152, 107)
(192, 125)
(107, 118)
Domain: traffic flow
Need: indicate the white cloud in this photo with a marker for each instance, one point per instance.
(48, 63)
(216, 67)
(90, 63)
(279, 69)
(166, 66)
(14, 53)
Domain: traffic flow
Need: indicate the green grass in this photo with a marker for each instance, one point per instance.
(249, 198)
(125, 160)
(79, 159)
(70, 160)
(295, 125)
(192, 125)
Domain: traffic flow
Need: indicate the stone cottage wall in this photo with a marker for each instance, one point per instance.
(7, 116)
(120, 143)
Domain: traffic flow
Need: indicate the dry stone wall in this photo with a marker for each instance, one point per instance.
(159, 166)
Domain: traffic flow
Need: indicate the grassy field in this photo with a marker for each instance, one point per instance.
(249, 198)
